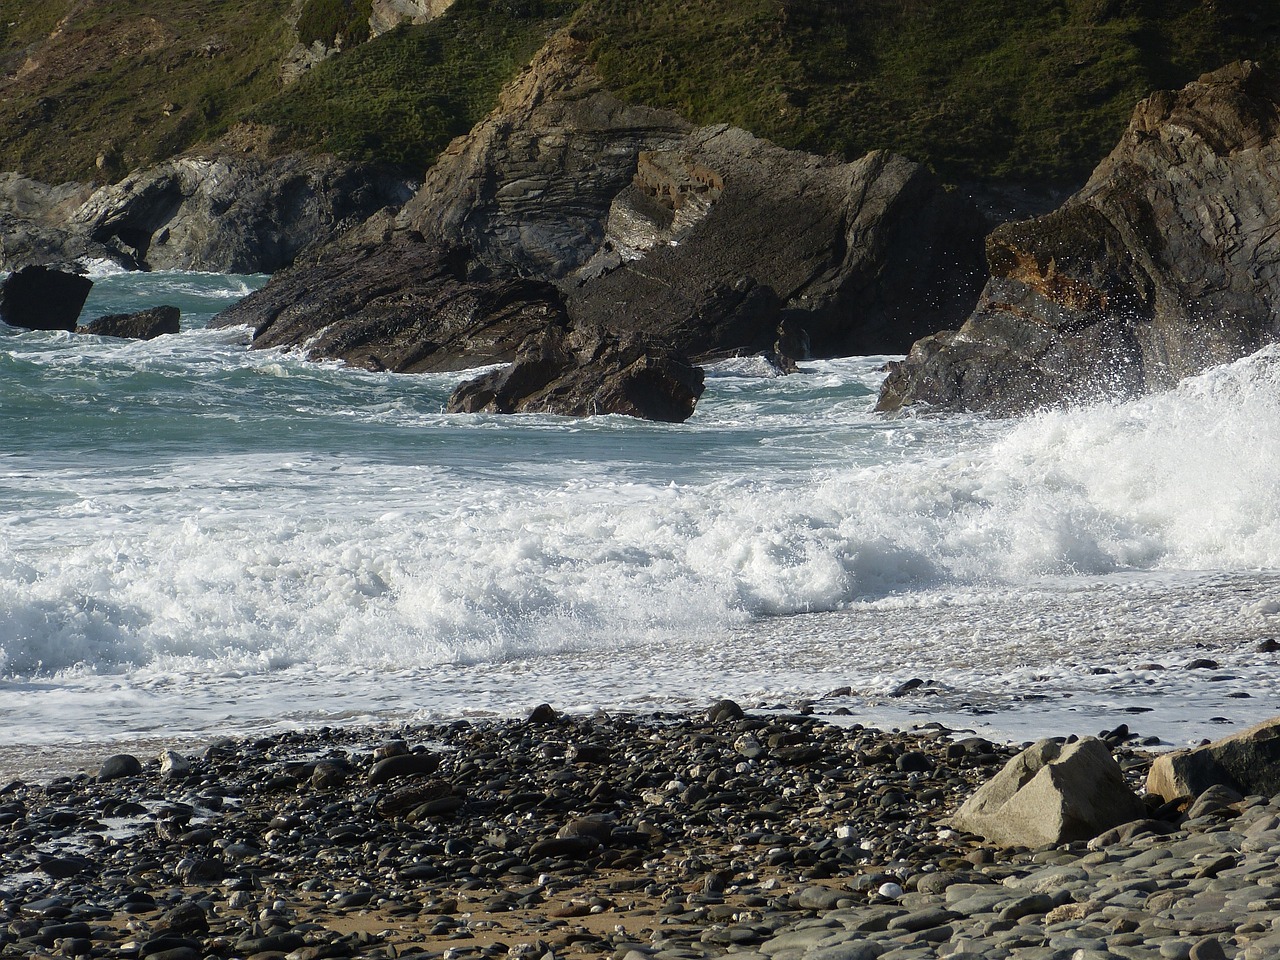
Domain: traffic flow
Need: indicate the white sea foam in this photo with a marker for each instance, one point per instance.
(204, 523)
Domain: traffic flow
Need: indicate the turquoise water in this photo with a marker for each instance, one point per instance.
(199, 538)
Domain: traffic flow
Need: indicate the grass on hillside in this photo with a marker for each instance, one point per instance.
(401, 98)
(1021, 89)
(136, 82)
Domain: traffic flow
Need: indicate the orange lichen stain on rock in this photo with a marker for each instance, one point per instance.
(1046, 280)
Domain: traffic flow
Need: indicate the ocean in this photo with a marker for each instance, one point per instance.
(198, 539)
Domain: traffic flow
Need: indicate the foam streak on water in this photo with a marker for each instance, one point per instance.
(199, 538)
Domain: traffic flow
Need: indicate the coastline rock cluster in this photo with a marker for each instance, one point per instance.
(221, 213)
(37, 298)
(776, 836)
(703, 243)
(1163, 265)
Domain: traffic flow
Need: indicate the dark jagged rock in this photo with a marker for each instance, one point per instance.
(234, 214)
(623, 221)
(39, 298)
(1163, 265)
(401, 305)
(718, 242)
(144, 325)
(581, 374)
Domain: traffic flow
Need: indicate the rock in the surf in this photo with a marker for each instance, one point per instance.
(1248, 762)
(41, 298)
(715, 241)
(1051, 793)
(1164, 264)
(143, 325)
(581, 374)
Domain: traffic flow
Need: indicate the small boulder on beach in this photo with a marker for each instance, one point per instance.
(1051, 793)
(119, 765)
(1248, 761)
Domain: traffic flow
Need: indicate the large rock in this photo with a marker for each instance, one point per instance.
(39, 298)
(233, 214)
(33, 223)
(703, 242)
(400, 304)
(1164, 264)
(388, 14)
(143, 325)
(1247, 762)
(1050, 794)
(582, 374)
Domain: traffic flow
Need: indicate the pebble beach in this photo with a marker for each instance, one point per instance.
(778, 835)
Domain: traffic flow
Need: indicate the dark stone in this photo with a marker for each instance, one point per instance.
(39, 298)
(120, 765)
(144, 325)
(584, 374)
(1157, 269)
(411, 764)
(543, 713)
(724, 711)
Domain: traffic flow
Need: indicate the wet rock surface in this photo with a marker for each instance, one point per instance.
(1164, 264)
(143, 325)
(586, 374)
(703, 242)
(40, 298)
(764, 835)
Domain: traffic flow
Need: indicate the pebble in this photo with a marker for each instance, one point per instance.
(769, 836)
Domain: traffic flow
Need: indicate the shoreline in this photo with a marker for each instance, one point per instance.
(672, 836)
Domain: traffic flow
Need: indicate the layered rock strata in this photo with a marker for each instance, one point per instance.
(223, 213)
(703, 242)
(1164, 264)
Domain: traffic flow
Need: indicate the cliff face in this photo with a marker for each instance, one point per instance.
(705, 241)
(225, 213)
(1164, 264)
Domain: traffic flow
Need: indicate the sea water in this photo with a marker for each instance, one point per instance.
(199, 539)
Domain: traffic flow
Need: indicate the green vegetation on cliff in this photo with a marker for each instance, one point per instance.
(133, 83)
(982, 89)
(403, 97)
(1036, 90)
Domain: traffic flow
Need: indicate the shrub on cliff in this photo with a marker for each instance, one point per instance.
(343, 23)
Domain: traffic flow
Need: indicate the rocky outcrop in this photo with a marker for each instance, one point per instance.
(233, 214)
(389, 14)
(1049, 794)
(1164, 264)
(144, 325)
(1247, 762)
(402, 305)
(224, 213)
(38, 298)
(586, 373)
(702, 242)
(34, 219)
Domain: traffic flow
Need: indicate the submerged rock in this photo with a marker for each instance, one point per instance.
(1164, 264)
(40, 298)
(143, 325)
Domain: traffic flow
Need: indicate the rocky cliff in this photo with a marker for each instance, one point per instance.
(223, 213)
(703, 241)
(1164, 264)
